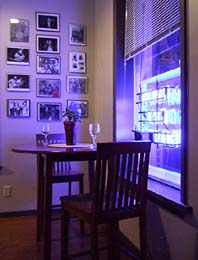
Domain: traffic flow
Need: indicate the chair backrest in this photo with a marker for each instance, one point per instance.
(59, 167)
(120, 180)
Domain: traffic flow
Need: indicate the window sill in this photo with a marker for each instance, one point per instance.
(167, 197)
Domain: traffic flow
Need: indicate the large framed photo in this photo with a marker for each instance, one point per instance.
(77, 62)
(19, 30)
(77, 85)
(77, 34)
(47, 44)
(18, 56)
(78, 105)
(18, 82)
(47, 22)
(49, 111)
(48, 88)
(18, 108)
(48, 64)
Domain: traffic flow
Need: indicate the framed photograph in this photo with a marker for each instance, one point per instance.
(77, 62)
(48, 88)
(19, 30)
(47, 44)
(49, 111)
(78, 105)
(77, 34)
(18, 82)
(77, 85)
(47, 22)
(18, 108)
(48, 65)
(18, 56)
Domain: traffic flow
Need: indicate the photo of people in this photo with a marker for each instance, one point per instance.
(47, 22)
(19, 30)
(47, 44)
(77, 84)
(18, 82)
(77, 62)
(49, 111)
(18, 56)
(48, 88)
(77, 34)
(48, 65)
(80, 106)
(18, 107)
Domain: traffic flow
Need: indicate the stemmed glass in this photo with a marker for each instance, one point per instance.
(45, 130)
(94, 130)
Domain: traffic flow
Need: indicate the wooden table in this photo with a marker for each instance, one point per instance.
(46, 156)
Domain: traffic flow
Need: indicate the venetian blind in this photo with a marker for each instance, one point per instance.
(147, 21)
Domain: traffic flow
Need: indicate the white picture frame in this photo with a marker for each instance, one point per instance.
(18, 56)
(77, 34)
(47, 22)
(77, 84)
(77, 62)
(48, 64)
(48, 44)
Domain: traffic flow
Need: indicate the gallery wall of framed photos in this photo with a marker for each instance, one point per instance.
(49, 82)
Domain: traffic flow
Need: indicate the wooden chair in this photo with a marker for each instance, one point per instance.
(62, 172)
(120, 192)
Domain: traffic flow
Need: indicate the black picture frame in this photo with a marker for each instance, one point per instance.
(77, 84)
(48, 44)
(18, 56)
(48, 64)
(18, 108)
(78, 105)
(50, 88)
(19, 30)
(77, 34)
(47, 22)
(49, 111)
(18, 82)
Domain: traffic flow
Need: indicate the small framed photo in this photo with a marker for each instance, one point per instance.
(48, 65)
(19, 30)
(48, 88)
(47, 44)
(18, 108)
(77, 85)
(78, 105)
(77, 34)
(48, 22)
(18, 56)
(18, 82)
(77, 62)
(49, 111)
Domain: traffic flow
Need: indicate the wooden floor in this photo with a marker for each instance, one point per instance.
(17, 240)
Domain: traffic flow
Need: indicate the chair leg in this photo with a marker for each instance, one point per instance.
(143, 236)
(81, 190)
(94, 242)
(69, 188)
(64, 234)
(113, 252)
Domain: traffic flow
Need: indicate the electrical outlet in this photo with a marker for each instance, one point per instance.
(7, 191)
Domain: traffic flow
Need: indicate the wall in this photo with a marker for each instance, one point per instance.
(19, 170)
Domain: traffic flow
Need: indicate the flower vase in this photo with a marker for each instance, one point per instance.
(70, 132)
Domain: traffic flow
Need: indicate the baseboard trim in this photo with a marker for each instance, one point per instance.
(17, 213)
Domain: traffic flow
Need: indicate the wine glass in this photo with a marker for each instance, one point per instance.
(94, 130)
(45, 130)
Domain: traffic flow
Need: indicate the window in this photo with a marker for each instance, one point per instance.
(150, 84)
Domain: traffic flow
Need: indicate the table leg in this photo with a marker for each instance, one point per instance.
(47, 210)
(40, 196)
(91, 174)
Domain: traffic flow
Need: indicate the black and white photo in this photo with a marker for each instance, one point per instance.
(18, 56)
(18, 82)
(48, 88)
(80, 106)
(19, 30)
(77, 34)
(77, 84)
(18, 108)
(77, 62)
(48, 64)
(47, 44)
(47, 22)
(49, 111)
